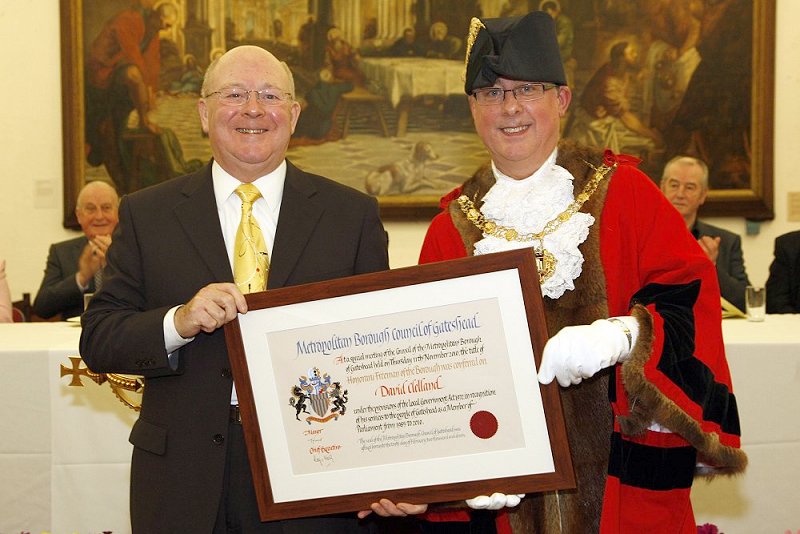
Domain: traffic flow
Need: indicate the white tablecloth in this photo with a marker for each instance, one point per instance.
(764, 359)
(64, 452)
(412, 77)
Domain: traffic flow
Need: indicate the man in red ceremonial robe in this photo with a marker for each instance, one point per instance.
(632, 303)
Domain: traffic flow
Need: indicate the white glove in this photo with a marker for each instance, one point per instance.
(578, 352)
(494, 502)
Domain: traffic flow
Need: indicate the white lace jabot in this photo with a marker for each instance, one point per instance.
(527, 205)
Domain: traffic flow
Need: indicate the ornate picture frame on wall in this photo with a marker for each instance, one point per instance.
(380, 83)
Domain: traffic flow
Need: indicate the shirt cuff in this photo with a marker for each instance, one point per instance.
(78, 283)
(172, 339)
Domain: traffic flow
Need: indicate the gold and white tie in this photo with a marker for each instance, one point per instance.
(250, 256)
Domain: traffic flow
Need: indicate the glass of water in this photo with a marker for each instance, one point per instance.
(756, 302)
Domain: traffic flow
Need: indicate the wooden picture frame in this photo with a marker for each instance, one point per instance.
(262, 346)
(407, 141)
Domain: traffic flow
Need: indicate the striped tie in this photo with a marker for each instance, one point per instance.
(98, 279)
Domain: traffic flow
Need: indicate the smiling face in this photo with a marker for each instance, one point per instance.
(248, 141)
(685, 188)
(520, 135)
(97, 209)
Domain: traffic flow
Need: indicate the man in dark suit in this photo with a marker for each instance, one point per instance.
(170, 290)
(685, 184)
(73, 266)
(783, 284)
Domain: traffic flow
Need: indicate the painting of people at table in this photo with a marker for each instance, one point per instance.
(657, 78)
(376, 78)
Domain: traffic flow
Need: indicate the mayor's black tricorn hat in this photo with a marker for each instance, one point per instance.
(520, 48)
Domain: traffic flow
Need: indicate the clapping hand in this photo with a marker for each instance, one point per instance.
(710, 246)
(99, 247)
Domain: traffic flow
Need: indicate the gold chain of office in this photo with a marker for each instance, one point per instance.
(545, 261)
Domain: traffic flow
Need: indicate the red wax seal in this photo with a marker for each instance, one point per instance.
(483, 424)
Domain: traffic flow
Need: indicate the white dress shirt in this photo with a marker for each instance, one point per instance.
(229, 210)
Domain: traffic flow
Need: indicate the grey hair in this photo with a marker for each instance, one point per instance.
(96, 183)
(688, 161)
(204, 89)
(289, 76)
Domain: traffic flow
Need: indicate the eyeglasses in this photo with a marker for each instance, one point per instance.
(488, 96)
(239, 97)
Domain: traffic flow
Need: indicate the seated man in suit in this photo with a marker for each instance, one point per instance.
(783, 284)
(74, 267)
(685, 184)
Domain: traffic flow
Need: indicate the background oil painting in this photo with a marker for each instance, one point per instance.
(380, 83)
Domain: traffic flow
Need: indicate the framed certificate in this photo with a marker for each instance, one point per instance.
(416, 384)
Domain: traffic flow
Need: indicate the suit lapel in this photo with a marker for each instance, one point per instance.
(197, 213)
(299, 215)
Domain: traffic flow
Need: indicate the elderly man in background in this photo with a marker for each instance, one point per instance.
(685, 184)
(74, 267)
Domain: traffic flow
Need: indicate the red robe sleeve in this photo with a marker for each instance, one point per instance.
(651, 260)
(677, 375)
(442, 240)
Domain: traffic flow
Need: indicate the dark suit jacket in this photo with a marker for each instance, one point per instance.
(167, 246)
(730, 263)
(783, 284)
(59, 292)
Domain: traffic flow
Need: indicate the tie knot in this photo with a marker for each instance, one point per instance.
(248, 193)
